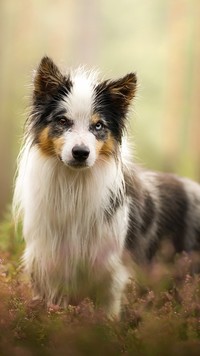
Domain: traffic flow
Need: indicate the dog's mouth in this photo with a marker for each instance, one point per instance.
(77, 164)
(73, 164)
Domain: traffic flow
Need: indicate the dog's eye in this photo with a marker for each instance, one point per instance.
(62, 121)
(65, 122)
(98, 126)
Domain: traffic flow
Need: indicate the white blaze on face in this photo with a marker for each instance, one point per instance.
(79, 102)
(79, 105)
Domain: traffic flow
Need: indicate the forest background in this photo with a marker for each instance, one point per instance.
(158, 39)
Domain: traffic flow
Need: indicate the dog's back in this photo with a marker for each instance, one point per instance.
(167, 209)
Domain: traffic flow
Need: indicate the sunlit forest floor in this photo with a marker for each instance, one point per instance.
(161, 315)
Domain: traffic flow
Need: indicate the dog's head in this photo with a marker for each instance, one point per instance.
(77, 118)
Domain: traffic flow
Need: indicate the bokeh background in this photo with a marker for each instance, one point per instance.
(159, 39)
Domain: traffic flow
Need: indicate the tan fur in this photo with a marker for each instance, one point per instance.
(106, 148)
(50, 147)
(58, 144)
(45, 143)
(95, 118)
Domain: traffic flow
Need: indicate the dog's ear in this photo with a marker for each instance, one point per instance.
(48, 78)
(124, 88)
(120, 91)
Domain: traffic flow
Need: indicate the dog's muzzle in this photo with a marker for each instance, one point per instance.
(80, 153)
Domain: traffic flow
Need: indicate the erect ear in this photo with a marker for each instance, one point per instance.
(124, 88)
(47, 78)
(120, 91)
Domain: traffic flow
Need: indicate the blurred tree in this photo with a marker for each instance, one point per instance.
(176, 81)
(6, 111)
(88, 32)
(194, 133)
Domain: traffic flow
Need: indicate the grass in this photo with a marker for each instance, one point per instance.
(161, 315)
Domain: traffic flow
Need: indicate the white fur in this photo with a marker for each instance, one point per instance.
(80, 100)
(64, 226)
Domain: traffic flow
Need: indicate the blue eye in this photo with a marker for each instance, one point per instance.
(98, 126)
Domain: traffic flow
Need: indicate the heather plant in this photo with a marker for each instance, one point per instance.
(161, 313)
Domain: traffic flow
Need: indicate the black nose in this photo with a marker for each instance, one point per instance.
(80, 153)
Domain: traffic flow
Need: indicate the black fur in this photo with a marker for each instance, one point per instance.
(46, 111)
(115, 202)
(173, 211)
(100, 135)
(147, 213)
(112, 101)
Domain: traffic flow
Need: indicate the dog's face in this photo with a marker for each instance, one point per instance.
(75, 117)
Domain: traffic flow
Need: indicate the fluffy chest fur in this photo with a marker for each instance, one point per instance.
(69, 225)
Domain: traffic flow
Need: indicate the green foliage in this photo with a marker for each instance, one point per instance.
(11, 240)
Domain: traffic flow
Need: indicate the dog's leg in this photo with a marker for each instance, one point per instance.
(119, 282)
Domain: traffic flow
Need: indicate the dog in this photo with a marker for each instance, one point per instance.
(83, 202)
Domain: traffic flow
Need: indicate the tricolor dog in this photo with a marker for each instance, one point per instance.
(83, 203)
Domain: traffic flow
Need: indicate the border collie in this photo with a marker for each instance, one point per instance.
(83, 204)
